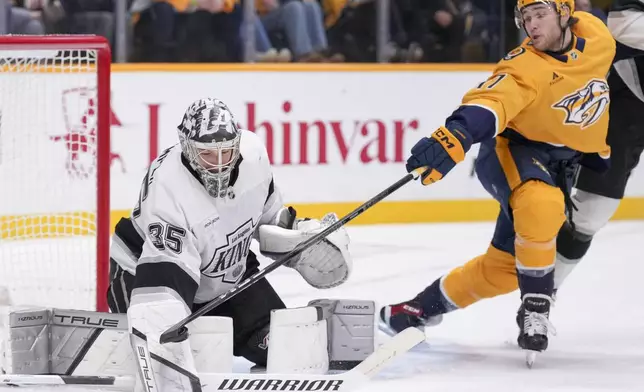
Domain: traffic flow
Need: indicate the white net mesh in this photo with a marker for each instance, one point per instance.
(48, 171)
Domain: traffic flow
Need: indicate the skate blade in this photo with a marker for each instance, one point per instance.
(530, 358)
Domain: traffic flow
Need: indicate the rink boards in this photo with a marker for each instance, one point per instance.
(336, 135)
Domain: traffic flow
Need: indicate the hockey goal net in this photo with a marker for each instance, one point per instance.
(54, 171)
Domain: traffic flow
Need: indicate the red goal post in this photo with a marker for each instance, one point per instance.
(65, 79)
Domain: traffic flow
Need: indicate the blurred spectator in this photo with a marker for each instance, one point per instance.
(452, 31)
(154, 29)
(16, 17)
(301, 24)
(303, 30)
(513, 36)
(494, 35)
(187, 30)
(212, 32)
(586, 5)
(352, 28)
(476, 36)
(264, 49)
(89, 17)
(420, 30)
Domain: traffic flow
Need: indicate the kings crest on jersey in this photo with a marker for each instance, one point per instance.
(183, 228)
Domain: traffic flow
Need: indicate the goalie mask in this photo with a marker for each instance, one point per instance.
(210, 142)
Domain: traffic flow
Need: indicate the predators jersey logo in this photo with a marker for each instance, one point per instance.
(586, 105)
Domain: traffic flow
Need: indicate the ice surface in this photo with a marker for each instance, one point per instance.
(598, 315)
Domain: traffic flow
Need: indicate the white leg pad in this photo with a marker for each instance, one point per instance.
(298, 342)
(211, 343)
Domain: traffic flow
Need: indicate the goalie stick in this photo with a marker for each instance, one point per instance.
(212, 382)
(179, 332)
(139, 343)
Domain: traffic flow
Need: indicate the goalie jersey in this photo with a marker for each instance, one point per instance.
(180, 237)
(561, 99)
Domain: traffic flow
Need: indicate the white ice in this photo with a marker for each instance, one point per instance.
(598, 313)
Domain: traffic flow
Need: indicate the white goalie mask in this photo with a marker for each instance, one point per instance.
(210, 142)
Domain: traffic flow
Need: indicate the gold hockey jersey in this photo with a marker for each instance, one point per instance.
(557, 98)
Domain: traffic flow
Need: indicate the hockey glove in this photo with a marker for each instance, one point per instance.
(439, 153)
(323, 265)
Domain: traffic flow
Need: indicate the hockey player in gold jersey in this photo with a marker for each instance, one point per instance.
(543, 111)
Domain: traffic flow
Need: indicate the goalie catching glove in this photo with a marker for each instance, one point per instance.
(325, 264)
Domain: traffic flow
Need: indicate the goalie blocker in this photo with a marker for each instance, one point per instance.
(327, 334)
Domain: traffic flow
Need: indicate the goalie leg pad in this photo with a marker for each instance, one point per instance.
(83, 343)
(298, 342)
(326, 335)
(71, 342)
(211, 343)
(29, 342)
(351, 331)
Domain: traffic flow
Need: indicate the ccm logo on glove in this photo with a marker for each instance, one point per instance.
(439, 153)
(450, 142)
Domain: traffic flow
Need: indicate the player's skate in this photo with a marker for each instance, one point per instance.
(396, 318)
(534, 325)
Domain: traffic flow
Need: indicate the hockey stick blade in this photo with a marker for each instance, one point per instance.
(344, 382)
(387, 352)
(178, 332)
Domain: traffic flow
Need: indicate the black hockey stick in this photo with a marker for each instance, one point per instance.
(179, 332)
